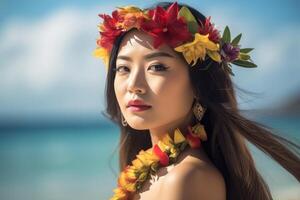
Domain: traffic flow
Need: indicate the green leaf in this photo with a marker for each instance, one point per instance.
(244, 56)
(226, 35)
(236, 40)
(244, 63)
(190, 19)
(246, 50)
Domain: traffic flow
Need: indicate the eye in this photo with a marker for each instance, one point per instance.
(120, 68)
(159, 67)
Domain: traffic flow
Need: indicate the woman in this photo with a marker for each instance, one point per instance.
(182, 136)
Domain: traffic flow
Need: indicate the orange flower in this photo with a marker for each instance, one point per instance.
(127, 179)
(120, 194)
(130, 17)
(131, 174)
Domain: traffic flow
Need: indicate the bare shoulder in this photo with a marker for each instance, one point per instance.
(194, 179)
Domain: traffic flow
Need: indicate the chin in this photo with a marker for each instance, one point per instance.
(137, 126)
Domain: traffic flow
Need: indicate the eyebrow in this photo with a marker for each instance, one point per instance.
(148, 56)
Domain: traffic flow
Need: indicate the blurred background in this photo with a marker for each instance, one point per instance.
(54, 141)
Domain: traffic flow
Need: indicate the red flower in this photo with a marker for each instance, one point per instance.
(163, 157)
(209, 28)
(108, 30)
(165, 27)
(193, 141)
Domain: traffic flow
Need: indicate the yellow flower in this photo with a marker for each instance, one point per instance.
(130, 187)
(128, 9)
(133, 16)
(131, 173)
(120, 194)
(178, 137)
(163, 146)
(174, 152)
(167, 140)
(102, 53)
(126, 182)
(137, 163)
(146, 157)
(201, 45)
(122, 179)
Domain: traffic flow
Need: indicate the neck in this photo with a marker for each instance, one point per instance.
(158, 133)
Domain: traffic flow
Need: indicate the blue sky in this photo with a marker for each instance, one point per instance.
(267, 9)
(47, 69)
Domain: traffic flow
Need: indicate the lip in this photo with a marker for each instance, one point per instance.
(137, 105)
(138, 108)
(137, 102)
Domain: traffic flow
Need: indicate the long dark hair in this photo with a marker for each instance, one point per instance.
(226, 127)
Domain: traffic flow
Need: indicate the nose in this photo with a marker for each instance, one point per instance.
(136, 82)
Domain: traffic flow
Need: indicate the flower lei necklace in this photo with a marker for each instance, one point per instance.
(147, 163)
(177, 28)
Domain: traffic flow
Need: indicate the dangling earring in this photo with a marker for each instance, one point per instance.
(124, 122)
(198, 110)
(198, 129)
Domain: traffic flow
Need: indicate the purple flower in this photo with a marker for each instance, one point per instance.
(229, 52)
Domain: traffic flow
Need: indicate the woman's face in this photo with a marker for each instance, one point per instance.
(159, 80)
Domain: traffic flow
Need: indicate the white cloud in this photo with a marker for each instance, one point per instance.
(47, 64)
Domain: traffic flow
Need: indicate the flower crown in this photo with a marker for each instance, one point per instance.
(178, 29)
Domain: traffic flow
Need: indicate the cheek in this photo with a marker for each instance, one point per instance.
(119, 91)
(173, 92)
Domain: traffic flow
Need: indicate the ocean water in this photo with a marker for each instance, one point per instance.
(82, 163)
